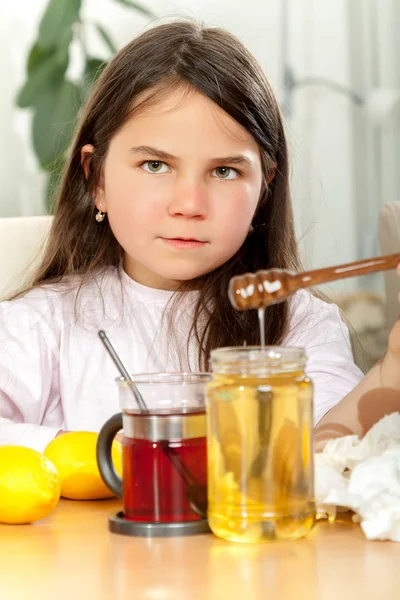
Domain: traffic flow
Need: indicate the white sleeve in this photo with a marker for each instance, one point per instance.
(317, 327)
(30, 408)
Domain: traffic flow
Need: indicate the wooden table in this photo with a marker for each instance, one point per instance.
(71, 554)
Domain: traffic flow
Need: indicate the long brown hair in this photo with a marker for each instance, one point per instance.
(214, 62)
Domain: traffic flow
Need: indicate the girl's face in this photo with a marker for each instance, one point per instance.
(182, 181)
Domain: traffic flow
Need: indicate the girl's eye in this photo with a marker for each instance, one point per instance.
(225, 173)
(155, 166)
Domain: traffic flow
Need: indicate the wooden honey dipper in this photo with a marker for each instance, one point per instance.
(264, 288)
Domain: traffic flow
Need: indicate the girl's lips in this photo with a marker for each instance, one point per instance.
(181, 244)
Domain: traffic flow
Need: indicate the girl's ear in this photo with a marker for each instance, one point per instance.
(86, 156)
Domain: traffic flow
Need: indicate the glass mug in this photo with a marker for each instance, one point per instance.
(164, 452)
(260, 455)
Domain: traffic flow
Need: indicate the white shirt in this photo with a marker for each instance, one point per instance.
(56, 374)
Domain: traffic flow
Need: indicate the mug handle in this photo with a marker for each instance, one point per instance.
(103, 454)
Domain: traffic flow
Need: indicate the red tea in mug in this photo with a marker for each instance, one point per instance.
(164, 454)
(159, 477)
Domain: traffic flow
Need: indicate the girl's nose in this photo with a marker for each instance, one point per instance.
(189, 200)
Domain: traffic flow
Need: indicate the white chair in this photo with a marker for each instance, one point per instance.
(389, 236)
(22, 241)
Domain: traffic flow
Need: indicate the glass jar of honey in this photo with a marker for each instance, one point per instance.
(260, 455)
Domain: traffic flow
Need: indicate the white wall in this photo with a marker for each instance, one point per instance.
(320, 130)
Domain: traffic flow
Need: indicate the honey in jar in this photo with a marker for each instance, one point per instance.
(259, 431)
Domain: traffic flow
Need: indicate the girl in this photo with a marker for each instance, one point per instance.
(177, 180)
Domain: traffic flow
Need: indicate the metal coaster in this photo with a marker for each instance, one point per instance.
(118, 524)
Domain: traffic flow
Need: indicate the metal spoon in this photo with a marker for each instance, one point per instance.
(118, 363)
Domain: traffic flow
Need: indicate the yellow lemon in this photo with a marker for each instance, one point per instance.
(29, 485)
(74, 456)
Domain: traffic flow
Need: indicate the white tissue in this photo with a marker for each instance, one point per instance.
(363, 475)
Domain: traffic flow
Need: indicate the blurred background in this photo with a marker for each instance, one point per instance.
(335, 67)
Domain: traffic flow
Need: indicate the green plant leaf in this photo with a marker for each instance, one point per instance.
(36, 57)
(58, 18)
(44, 74)
(138, 7)
(54, 121)
(45, 68)
(106, 38)
(38, 54)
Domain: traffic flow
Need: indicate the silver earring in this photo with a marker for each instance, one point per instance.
(100, 216)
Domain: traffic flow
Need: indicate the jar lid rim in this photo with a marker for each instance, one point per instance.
(256, 360)
(268, 351)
